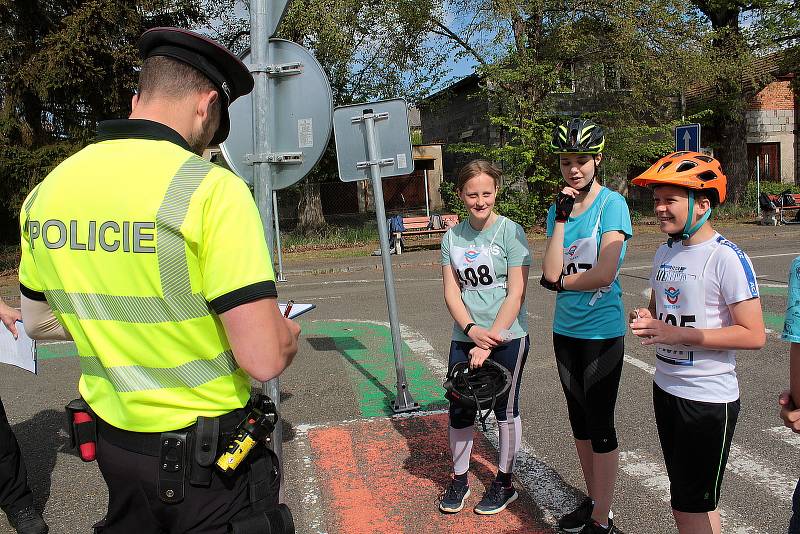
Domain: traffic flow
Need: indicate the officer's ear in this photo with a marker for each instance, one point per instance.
(134, 101)
(205, 104)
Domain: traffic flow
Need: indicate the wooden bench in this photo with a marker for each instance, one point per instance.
(415, 226)
(780, 209)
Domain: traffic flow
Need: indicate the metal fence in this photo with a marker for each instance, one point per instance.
(348, 203)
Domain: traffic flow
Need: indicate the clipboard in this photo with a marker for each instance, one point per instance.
(297, 309)
(20, 352)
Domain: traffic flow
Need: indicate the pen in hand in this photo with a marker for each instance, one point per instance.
(288, 308)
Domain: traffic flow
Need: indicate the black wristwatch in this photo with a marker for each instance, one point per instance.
(466, 328)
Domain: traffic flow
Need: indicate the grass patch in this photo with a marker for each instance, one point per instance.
(9, 259)
(331, 237)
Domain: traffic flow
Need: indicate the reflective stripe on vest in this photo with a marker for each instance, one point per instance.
(127, 378)
(178, 303)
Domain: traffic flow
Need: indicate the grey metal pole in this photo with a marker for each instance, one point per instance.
(278, 236)
(404, 402)
(262, 179)
(427, 200)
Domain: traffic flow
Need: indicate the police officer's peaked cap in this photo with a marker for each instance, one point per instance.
(216, 62)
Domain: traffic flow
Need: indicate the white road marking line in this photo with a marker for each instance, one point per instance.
(548, 490)
(652, 475)
(636, 267)
(640, 364)
(758, 470)
(312, 507)
(745, 463)
(774, 255)
(782, 286)
(785, 435)
(361, 281)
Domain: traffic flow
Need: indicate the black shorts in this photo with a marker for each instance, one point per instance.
(590, 370)
(695, 439)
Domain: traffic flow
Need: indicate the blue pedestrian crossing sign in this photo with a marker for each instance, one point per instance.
(687, 137)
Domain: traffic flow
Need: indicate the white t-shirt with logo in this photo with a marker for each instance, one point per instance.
(693, 286)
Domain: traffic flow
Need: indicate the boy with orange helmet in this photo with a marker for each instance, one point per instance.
(704, 306)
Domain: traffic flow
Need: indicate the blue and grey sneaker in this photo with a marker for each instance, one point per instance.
(496, 499)
(452, 500)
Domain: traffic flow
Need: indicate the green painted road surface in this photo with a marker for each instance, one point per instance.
(367, 349)
(52, 351)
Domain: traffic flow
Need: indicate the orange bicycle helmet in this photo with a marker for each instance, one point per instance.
(691, 170)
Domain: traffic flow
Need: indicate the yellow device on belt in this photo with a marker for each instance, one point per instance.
(256, 427)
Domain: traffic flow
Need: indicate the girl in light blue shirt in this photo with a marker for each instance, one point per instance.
(588, 227)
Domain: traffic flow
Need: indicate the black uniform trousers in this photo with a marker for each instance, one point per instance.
(14, 492)
(134, 506)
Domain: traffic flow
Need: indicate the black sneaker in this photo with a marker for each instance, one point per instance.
(577, 519)
(496, 499)
(452, 500)
(28, 521)
(593, 527)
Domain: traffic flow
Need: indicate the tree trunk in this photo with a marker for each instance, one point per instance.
(311, 218)
(733, 154)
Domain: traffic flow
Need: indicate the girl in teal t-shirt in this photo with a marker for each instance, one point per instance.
(588, 226)
(485, 262)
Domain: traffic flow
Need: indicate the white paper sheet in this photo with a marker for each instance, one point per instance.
(20, 352)
(297, 309)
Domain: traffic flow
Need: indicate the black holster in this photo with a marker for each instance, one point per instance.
(265, 515)
(82, 425)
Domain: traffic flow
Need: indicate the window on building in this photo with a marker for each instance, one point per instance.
(764, 160)
(566, 79)
(614, 78)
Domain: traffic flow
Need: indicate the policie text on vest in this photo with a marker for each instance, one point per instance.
(111, 236)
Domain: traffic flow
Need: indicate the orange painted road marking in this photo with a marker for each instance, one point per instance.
(385, 475)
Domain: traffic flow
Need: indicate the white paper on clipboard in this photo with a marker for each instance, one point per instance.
(297, 309)
(20, 352)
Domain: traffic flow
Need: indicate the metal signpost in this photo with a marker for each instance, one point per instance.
(259, 134)
(302, 104)
(687, 138)
(373, 142)
(280, 277)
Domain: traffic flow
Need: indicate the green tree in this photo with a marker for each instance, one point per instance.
(742, 32)
(369, 50)
(628, 58)
(65, 65)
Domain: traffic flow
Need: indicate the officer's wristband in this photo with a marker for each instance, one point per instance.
(557, 286)
(467, 328)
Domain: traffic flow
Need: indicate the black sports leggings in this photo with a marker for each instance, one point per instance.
(590, 370)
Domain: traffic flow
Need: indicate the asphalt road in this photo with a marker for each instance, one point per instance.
(344, 372)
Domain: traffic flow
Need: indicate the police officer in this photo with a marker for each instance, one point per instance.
(16, 498)
(154, 261)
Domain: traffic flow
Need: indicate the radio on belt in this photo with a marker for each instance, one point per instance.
(256, 426)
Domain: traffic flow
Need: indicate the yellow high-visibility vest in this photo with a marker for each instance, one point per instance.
(138, 244)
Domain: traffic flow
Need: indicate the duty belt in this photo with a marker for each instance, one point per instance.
(149, 443)
(184, 455)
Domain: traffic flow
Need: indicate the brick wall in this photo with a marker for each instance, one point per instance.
(797, 137)
(776, 96)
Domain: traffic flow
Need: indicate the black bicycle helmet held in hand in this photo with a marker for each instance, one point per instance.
(478, 389)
